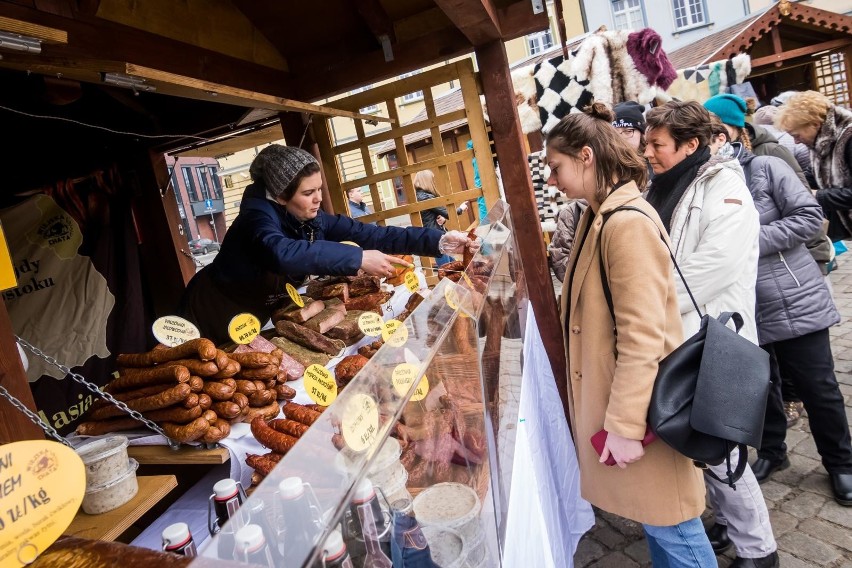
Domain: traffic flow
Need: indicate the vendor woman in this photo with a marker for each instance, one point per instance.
(282, 236)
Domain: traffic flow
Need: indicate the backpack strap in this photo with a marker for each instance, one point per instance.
(605, 279)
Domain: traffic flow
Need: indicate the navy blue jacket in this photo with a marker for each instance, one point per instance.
(267, 247)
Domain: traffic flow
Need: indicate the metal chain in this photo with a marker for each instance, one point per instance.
(95, 389)
(34, 418)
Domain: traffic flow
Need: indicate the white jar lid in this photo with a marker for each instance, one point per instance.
(364, 491)
(176, 534)
(249, 538)
(291, 488)
(334, 545)
(225, 489)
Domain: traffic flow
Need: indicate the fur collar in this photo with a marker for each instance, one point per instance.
(829, 162)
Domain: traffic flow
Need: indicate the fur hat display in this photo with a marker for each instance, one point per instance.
(730, 109)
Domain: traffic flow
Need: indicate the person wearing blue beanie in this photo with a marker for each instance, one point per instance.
(731, 109)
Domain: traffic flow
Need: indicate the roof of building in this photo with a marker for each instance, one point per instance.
(703, 50)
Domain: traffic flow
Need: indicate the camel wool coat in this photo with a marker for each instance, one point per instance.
(610, 378)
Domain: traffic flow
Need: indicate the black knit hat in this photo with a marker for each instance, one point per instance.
(629, 115)
(276, 166)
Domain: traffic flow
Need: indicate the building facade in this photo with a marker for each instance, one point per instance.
(679, 22)
(200, 198)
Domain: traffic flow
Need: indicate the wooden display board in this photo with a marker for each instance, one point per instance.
(391, 94)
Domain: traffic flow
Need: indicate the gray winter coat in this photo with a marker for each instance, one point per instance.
(792, 298)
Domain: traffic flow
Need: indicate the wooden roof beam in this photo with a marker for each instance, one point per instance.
(476, 19)
(778, 58)
(380, 24)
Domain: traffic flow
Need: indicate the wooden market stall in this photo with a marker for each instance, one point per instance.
(792, 46)
(173, 74)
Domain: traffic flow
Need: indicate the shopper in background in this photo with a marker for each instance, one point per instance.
(708, 211)
(435, 217)
(357, 207)
(810, 118)
(765, 117)
(630, 123)
(732, 111)
(652, 485)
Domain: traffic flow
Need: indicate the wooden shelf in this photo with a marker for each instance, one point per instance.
(109, 526)
(186, 455)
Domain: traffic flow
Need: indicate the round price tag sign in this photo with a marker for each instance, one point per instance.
(173, 330)
(294, 295)
(467, 279)
(411, 281)
(453, 299)
(394, 333)
(403, 377)
(359, 423)
(42, 484)
(320, 385)
(370, 323)
(243, 328)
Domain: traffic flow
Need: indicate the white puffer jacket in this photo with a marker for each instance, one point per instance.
(715, 233)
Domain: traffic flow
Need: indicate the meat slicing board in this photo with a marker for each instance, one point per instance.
(110, 525)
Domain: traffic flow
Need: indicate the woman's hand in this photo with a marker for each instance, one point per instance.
(623, 450)
(377, 263)
(454, 242)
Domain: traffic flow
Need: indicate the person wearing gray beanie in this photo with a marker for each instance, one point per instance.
(282, 236)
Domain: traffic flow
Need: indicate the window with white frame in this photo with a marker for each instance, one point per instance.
(541, 41)
(411, 97)
(688, 13)
(367, 109)
(627, 15)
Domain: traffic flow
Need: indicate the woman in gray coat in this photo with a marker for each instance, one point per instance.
(794, 312)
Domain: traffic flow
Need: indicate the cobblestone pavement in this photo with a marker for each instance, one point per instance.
(811, 529)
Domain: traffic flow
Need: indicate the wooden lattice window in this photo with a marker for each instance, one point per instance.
(832, 78)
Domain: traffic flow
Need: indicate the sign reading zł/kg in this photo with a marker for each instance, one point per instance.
(320, 385)
(173, 330)
(360, 422)
(42, 484)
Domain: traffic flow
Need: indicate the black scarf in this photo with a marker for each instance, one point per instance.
(668, 187)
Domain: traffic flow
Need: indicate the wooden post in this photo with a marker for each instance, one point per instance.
(14, 425)
(293, 124)
(509, 143)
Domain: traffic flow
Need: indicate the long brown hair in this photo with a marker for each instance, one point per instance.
(614, 158)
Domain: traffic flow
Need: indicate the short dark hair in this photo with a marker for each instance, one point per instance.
(684, 120)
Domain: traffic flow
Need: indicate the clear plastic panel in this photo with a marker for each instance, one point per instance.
(429, 421)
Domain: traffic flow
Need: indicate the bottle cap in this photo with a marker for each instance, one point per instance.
(175, 536)
(249, 538)
(403, 506)
(225, 489)
(364, 491)
(334, 546)
(291, 488)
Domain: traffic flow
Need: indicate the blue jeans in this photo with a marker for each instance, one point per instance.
(680, 546)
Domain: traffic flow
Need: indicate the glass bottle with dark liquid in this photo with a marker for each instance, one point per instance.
(178, 540)
(297, 522)
(250, 546)
(226, 500)
(334, 553)
(370, 523)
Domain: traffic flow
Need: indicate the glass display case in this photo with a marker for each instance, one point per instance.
(413, 458)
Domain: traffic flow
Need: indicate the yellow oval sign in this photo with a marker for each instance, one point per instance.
(174, 330)
(403, 377)
(467, 279)
(359, 423)
(41, 487)
(394, 333)
(320, 385)
(294, 295)
(370, 323)
(243, 328)
(453, 300)
(412, 282)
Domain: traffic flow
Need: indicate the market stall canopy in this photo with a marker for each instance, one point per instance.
(787, 33)
(289, 51)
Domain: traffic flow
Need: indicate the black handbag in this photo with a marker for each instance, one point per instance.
(710, 393)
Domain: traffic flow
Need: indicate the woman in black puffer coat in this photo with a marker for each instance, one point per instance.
(794, 312)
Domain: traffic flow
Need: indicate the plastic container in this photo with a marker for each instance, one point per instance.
(446, 546)
(113, 494)
(105, 460)
(450, 505)
(386, 464)
(395, 489)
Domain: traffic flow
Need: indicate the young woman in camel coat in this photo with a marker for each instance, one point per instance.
(611, 377)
